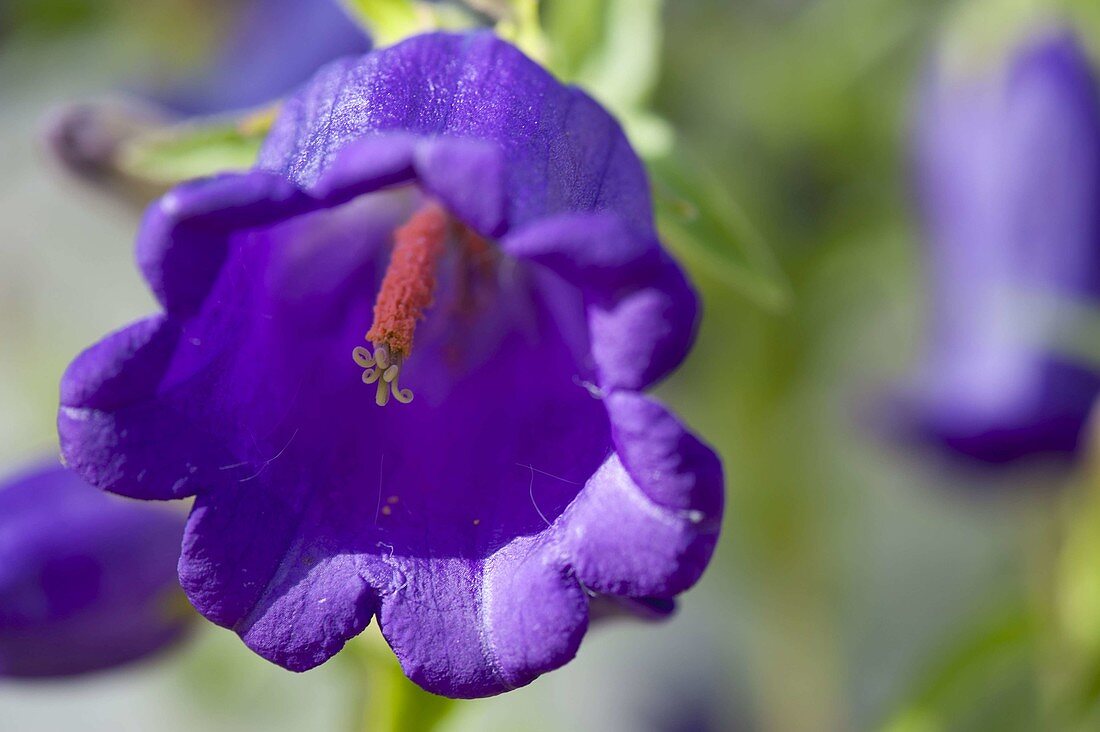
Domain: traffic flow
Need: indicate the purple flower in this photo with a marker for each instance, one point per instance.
(517, 469)
(87, 580)
(1008, 167)
(271, 47)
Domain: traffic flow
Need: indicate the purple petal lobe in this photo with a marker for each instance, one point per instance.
(466, 628)
(642, 311)
(537, 613)
(646, 330)
(181, 247)
(468, 177)
(669, 463)
(369, 164)
(646, 526)
(592, 250)
(116, 429)
(263, 561)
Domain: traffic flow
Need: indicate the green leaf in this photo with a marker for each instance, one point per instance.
(388, 21)
(623, 70)
(173, 154)
(574, 31)
(520, 24)
(700, 220)
(970, 674)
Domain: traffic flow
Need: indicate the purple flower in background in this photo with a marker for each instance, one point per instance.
(1008, 167)
(271, 46)
(87, 580)
(501, 465)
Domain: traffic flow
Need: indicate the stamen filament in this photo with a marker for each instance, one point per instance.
(362, 357)
(382, 393)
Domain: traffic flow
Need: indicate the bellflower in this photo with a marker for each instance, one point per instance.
(485, 461)
(87, 580)
(1008, 167)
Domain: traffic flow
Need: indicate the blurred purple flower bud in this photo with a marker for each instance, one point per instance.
(87, 580)
(1008, 174)
(271, 48)
(88, 140)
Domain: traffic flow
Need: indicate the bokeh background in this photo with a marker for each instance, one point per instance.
(862, 582)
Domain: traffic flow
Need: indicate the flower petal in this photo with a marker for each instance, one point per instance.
(667, 462)
(182, 244)
(647, 522)
(118, 432)
(262, 560)
(472, 628)
(563, 151)
(367, 165)
(468, 177)
(642, 313)
(643, 334)
(590, 250)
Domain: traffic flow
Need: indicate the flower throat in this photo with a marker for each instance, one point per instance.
(407, 291)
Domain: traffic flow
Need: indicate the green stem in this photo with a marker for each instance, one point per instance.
(389, 701)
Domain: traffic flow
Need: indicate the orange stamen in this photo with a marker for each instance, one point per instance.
(407, 290)
(409, 285)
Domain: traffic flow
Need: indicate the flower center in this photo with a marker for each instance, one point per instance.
(408, 289)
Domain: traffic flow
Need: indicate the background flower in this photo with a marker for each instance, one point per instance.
(1008, 164)
(268, 48)
(87, 580)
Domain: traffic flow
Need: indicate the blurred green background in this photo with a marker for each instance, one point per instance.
(859, 585)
